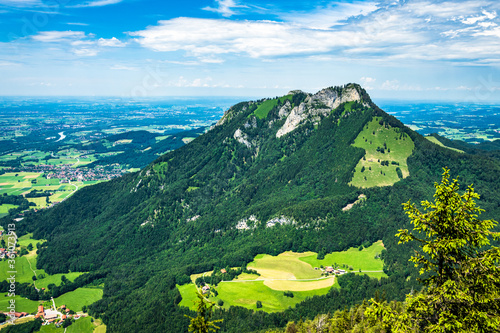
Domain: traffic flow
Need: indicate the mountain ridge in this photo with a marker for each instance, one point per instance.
(152, 229)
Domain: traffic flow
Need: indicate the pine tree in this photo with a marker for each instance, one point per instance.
(202, 323)
(460, 266)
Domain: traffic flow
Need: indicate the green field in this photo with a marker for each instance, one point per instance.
(439, 143)
(247, 294)
(23, 270)
(22, 304)
(397, 147)
(364, 259)
(263, 110)
(75, 300)
(288, 271)
(22, 184)
(81, 325)
(4, 209)
(287, 265)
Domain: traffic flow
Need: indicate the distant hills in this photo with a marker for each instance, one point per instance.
(294, 160)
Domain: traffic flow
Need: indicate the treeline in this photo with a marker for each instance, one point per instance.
(18, 200)
(226, 274)
(29, 291)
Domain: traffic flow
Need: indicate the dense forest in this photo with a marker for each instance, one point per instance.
(150, 230)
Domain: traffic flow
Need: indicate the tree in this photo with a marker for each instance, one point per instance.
(458, 264)
(202, 323)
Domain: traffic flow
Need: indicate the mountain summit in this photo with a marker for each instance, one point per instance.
(274, 175)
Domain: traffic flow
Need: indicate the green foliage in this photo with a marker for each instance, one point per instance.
(202, 323)
(303, 175)
(463, 280)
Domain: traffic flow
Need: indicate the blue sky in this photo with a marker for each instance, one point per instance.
(414, 49)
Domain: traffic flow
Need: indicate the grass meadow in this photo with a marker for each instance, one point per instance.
(75, 300)
(288, 271)
(369, 171)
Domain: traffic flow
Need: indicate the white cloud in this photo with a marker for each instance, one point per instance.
(85, 52)
(367, 82)
(194, 83)
(124, 68)
(224, 7)
(97, 3)
(445, 9)
(112, 42)
(58, 36)
(335, 13)
(77, 23)
(203, 37)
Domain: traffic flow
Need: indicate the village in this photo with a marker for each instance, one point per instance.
(50, 315)
(67, 173)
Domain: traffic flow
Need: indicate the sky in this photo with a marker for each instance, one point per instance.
(409, 50)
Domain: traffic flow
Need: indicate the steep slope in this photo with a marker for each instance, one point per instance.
(291, 162)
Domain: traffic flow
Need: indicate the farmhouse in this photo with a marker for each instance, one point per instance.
(205, 289)
(50, 315)
(329, 269)
(223, 271)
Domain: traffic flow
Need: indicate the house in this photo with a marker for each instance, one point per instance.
(205, 289)
(223, 271)
(50, 314)
(329, 269)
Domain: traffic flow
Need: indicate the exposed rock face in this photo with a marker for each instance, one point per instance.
(285, 110)
(317, 106)
(244, 223)
(279, 220)
(242, 138)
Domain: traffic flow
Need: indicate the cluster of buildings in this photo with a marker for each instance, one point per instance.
(4, 253)
(331, 270)
(66, 173)
(50, 316)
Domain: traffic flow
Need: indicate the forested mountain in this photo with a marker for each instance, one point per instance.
(272, 175)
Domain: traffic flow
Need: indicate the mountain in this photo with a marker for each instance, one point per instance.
(272, 175)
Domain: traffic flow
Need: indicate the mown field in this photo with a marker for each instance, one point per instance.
(381, 144)
(22, 304)
(21, 183)
(75, 300)
(439, 143)
(363, 260)
(24, 273)
(288, 271)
